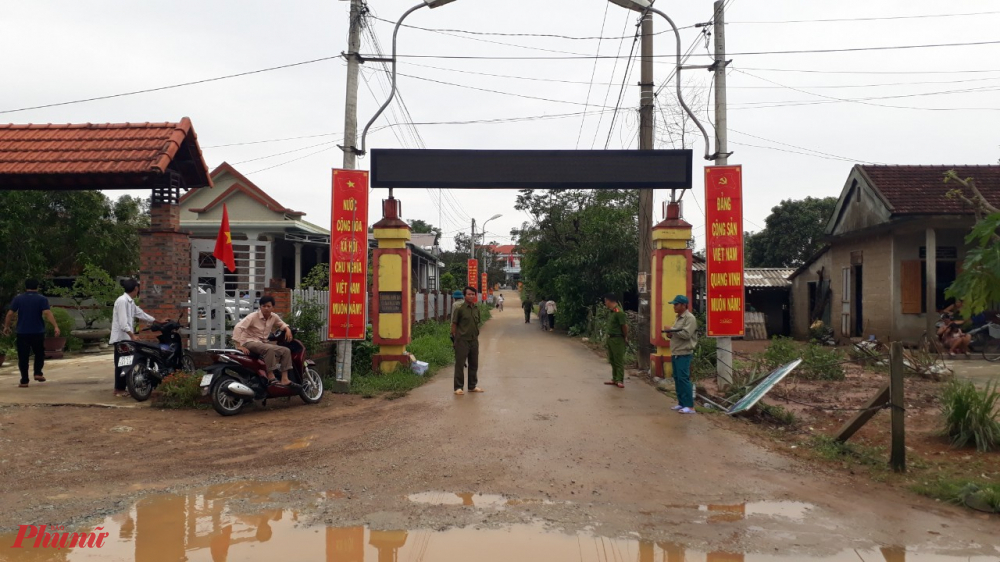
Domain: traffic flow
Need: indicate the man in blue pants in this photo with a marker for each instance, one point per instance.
(683, 337)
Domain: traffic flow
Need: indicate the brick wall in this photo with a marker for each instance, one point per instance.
(165, 264)
(282, 300)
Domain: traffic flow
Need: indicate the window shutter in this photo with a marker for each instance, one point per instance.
(910, 287)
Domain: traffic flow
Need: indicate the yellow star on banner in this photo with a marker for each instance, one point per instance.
(229, 238)
(350, 183)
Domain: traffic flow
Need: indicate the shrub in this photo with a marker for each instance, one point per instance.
(970, 415)
(93, 294)
(308, 318)
(821, 363)
(704, 358)
(821, 333)
(179, 390)
(65, 322)
(781, 351)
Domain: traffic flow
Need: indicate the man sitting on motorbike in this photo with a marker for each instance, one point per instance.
(251, 336)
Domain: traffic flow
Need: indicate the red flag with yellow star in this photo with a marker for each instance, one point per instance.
(224, 243)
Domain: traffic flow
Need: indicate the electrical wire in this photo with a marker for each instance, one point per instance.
(879, 72)
(884, 18)
(607, 93)
(499, 34)
(488, 90)
(628, 72)
(270, 140)
(593, 74)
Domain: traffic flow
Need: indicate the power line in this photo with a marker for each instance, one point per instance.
(818, 153)
(286, 152)
(172, 86)
(879, 72)
(490, 91)
(745, 54)
(593, 74)
(500, 34)
(628, 72)
(884, 18)
(607, 92)
(270, 140)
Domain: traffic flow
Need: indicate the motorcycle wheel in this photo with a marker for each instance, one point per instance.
(139, 384)
(187, 362)
(223, 402)
(991, 350)
(312, 386)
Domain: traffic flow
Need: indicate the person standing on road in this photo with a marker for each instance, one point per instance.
(30, 307)
(526, 306)
(122, 326)
(683, 337)
(500, 302)
(459, 299)
(465, 335)
(617, 330)
(543, 317)
(550, 311)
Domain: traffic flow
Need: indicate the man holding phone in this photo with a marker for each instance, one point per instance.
(683, 337)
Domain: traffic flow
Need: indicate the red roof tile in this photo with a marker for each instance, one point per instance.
(122, 148)
(503, 250)
(920, 190)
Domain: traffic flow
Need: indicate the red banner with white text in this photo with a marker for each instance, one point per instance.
(724, 251)
(349, 255)
(486, 288)
(473, 273)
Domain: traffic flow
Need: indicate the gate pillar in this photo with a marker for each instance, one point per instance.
(391, 310)
(165, 258)
(671, 277)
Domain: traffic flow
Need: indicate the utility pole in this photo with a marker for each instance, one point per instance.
(724, 346)
(645, 195)
(343, 365)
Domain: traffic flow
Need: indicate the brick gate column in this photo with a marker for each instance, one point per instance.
(165, 263)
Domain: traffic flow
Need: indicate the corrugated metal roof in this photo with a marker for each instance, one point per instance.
(760, 276)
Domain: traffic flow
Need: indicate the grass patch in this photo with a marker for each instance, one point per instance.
(982, 496)
(394, 385)
(179, 391)
(851, 453)
(970, 415)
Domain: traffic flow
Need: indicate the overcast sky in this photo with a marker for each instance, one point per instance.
(798, 121)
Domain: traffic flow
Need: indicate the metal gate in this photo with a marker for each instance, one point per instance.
(220, 299)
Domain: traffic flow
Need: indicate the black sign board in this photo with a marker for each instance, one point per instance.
(390, 302)
(531, 169)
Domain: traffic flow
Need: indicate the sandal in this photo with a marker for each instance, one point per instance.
(621, 385)
(40, 378)
(121, 394)
(611, 383)
(22, 385)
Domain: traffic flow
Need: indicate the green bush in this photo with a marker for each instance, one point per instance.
(781, 351)
(431, 343)
(93, 294)
(361, 355)
(179, 390)
(65, 322)
(970, 415)
(704, 359)
(822, 363)
(308, 318)
(73, 343)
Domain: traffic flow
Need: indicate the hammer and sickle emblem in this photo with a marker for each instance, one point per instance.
(723, 181)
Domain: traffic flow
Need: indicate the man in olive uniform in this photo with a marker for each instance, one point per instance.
(617, 330)
(683, 337)
(465, 335)
(527, 306)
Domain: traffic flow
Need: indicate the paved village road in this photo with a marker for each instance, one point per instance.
(560, 447)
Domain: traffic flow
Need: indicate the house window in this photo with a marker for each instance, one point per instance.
(914, 285)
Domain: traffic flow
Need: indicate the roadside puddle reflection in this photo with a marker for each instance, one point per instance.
(795, 511)
(219, 525)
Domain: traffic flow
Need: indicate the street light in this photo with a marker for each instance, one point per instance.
(473, 241)
(392, 93)
(647, 6)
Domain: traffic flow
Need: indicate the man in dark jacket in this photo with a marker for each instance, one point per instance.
(30, 307)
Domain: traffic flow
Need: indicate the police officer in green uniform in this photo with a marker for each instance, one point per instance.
(617, 330)
(465, 336)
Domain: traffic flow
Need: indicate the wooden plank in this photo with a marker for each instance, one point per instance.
(897, 458)
(862, 417)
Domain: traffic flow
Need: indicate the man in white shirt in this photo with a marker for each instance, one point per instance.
(251, 336)
(122, 326)
(550, 311)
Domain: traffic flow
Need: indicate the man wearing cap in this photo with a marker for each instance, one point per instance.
(617, 330)
(458, 300)
(683, 337)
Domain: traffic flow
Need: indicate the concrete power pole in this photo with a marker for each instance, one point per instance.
(343, 366)
(645, 195)
(724, 350)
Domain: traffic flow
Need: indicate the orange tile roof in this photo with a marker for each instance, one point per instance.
(105, 149)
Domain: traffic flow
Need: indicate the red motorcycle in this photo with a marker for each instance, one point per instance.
(237, 379)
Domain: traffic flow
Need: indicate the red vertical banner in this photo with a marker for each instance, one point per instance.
(486, 288)
(473, 277)
(724, 250)
(349, 255)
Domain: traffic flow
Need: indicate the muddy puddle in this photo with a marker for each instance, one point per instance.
(239, 522)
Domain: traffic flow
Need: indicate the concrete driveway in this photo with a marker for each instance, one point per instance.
(79, 380)
(978, 371)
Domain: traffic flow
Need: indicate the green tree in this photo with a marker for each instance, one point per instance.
(49, 233)
(580, 245)
(423, 227)
(793, 232)
(978, 284)
(93, 294)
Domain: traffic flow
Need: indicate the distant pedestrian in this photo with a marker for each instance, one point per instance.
(526, 306)
(683, 337)
(30, 307)
(465, 335)
(617, 330)
(458, 300)
(550, 310)
(122, 326)
(543, 317)
(500, 302)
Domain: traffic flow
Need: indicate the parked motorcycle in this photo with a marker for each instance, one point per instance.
(986, 340)
(146, 363)
(237, 379)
